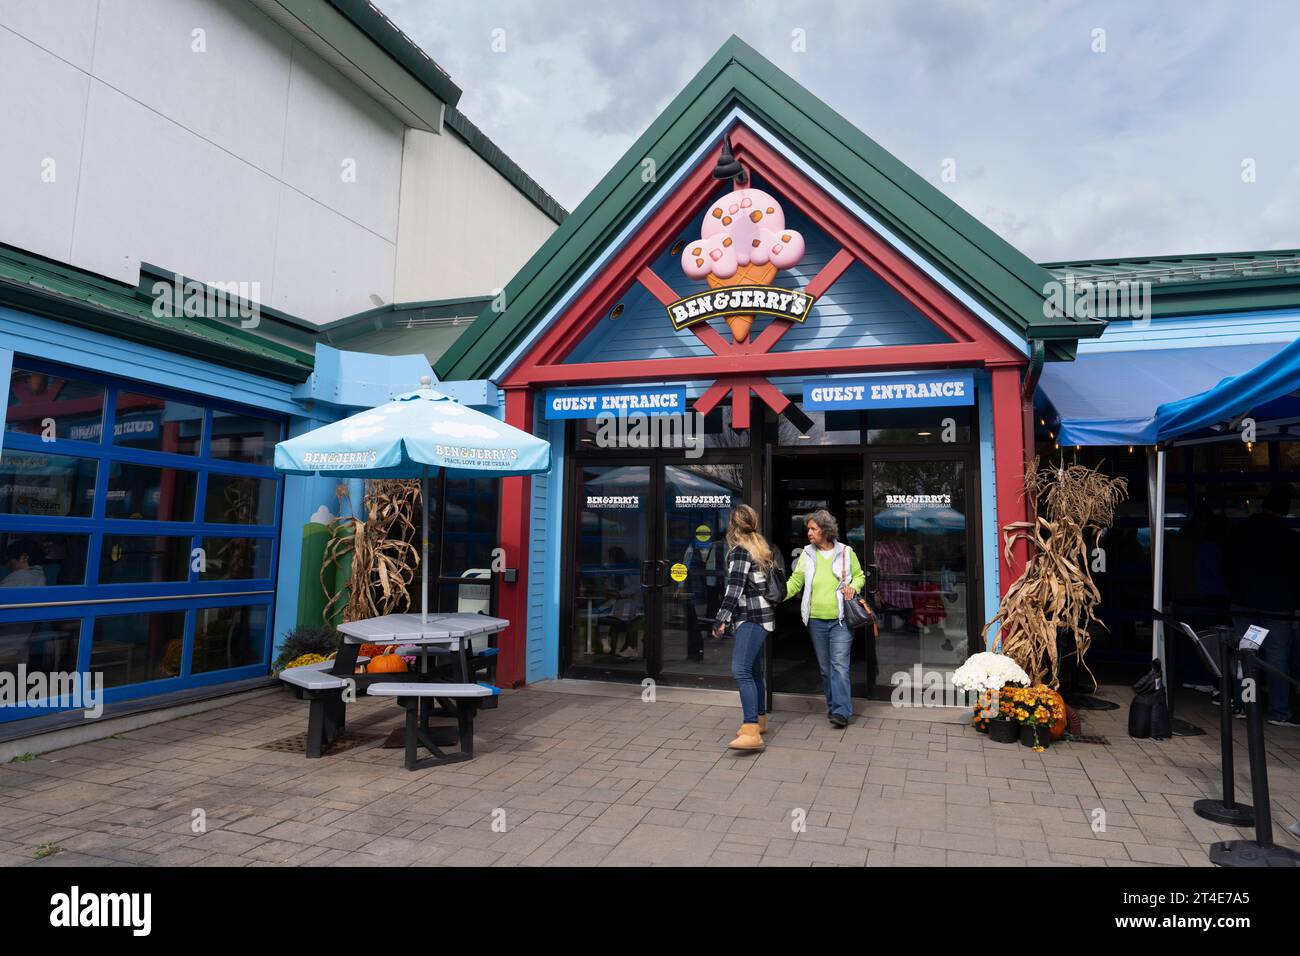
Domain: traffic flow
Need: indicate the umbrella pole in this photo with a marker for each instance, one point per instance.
(424, 547)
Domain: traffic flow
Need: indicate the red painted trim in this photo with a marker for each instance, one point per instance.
(878, 358)
(768, 393)
(1009, 466)
(541, 364)
(712, 395)
(740, 403)
(931, 299)
(712, 338)
(824, 279)
(512, 599)
(656, 286)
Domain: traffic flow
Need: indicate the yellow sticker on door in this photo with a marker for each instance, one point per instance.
(677, 572)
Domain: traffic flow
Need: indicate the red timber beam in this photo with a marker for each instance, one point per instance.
(1009, 467)
(512, 597)
(869, 358)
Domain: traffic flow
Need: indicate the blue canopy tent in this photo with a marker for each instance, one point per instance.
(1165, 398)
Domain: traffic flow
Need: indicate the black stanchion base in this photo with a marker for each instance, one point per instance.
(1248, 853)
(1182, 728)
(1237, 815)
(1088, 702)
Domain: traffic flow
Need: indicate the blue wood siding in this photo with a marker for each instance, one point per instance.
(858, 310)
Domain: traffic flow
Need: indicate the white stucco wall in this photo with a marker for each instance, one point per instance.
(463, 229)
(225, 165)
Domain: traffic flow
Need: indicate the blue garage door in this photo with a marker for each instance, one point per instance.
(138, 534)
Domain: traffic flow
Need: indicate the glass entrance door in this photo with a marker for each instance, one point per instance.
(649, 567)
(612, 562)
(919, 510)
(697, 503)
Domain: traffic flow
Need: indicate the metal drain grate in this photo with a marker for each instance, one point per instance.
(297, 744)
(1088, 739)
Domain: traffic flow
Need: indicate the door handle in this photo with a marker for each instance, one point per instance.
(645, 566)
(661, 573)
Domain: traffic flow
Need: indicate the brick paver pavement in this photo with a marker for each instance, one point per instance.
(589, 774)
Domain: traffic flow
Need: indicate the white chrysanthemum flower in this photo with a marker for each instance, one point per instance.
(988, 671)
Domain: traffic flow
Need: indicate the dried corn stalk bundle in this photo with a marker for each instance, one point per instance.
(384, 557)
(1056, 588)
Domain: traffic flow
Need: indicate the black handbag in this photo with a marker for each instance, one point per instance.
(857, 612)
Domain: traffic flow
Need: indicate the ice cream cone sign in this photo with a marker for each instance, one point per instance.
(743, 244)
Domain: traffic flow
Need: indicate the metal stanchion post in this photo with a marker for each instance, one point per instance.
(1260, 852)
(1226, 810)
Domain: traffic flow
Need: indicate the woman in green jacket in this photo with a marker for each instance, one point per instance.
(827, 573)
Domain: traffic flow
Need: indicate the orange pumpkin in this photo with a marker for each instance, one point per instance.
(1058, 727)
(386, 664)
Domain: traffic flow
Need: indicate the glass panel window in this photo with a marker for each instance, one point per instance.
(828, 428)
(150, 494)
(50, 485)
(469, 531)
(226, 637)
(134, 648)
(919, 426)
(40, 403)
(44, 646)
(1230, 456)
(157, 424)
(232, 559)
(245, 438)
(40, 559)
(139, 559)
(237, 499)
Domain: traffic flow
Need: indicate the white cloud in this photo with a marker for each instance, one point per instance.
(1039, 125)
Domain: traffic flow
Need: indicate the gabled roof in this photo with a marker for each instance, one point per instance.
(1202, 282)
(986, 266)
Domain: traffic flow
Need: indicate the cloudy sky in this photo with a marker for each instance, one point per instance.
(1077, 129)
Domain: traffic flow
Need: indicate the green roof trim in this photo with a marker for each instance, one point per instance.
(514, 174)
(280, 347)
(371, 21)
(398, 314)
(1201, 283)
(989, 268)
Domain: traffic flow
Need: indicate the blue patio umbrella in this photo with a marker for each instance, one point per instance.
(414, 436)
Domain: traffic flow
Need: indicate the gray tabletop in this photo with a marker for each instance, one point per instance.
(407, 629)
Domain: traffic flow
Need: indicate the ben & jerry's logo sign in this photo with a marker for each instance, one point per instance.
(743, 244)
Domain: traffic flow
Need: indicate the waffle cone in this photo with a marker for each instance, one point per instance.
(745, 275)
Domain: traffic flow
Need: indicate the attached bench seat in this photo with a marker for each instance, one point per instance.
(468, 697)
(325, 715)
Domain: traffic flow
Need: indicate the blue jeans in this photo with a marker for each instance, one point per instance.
(747, 669)
(1278, 649)
(832, 642)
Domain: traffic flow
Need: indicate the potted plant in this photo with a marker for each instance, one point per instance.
(1036, 709)
(991, 677)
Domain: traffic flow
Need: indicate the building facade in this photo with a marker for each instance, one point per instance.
(206, 194)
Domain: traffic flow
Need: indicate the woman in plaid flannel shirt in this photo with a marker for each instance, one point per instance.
(749, 559)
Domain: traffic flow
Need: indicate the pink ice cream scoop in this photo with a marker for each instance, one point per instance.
(744, 233)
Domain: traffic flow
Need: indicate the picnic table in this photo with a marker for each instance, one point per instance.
(327, 683)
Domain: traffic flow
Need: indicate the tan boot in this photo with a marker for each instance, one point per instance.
(748, 738)
(762, 723)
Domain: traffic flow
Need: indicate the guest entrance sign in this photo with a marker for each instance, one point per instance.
(594, 402)
(890, 391)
